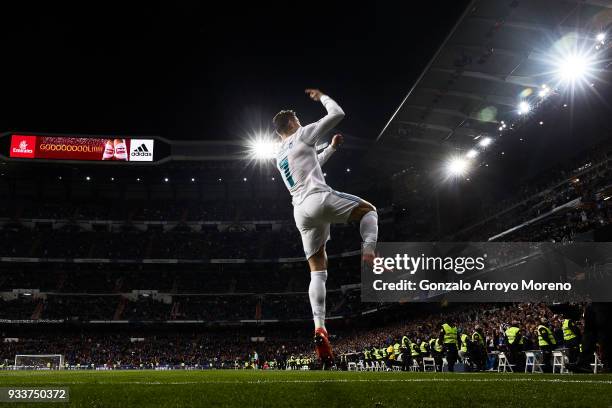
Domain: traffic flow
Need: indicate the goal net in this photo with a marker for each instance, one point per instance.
(39, 362)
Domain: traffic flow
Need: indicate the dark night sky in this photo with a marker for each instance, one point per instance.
(187, 70)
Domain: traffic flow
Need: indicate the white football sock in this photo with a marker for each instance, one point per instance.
(316, 293)
(368, 228)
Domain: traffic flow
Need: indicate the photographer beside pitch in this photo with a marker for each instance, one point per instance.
(316, 205)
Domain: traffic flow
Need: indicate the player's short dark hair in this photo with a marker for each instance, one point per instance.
(281, 120)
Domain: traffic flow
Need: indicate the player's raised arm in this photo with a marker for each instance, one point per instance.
(337, 140)
(335, 114)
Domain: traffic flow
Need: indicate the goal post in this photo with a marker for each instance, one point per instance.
(39, 362)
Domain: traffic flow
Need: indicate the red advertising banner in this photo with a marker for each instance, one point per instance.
(80, 148)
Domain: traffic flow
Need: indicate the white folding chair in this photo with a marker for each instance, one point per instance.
(533, 362)
(597, 364)
(559, 362)
(503, 365)
(415, 366)
(429, 362)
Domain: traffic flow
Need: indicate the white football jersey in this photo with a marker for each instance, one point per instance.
(297, 158)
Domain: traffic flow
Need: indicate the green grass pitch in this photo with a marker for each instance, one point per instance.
(314, 389)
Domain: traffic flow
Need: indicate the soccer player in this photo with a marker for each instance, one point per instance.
(316, 205)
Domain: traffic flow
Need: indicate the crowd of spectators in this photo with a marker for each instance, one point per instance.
(214, 278)
(193, 307)
(135, 210)
(226, 348)
(234, 243)
(590, 183)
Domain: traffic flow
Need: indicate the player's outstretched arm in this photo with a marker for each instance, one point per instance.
(324, 156)
(313, 132)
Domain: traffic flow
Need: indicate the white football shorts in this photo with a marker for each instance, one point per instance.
(317, 212)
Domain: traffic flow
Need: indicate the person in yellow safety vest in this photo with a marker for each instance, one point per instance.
(396, 350)
(448, 336)
(547, 342)
(424, 349)
(390, 355)
(415, 352)
(390, 352)
(571, 339)
(515, 342)
(435, 350)
(478, 352)
(377, 354)
(367, 356)
(291, 362)
(399, 353)
(434, 346)
(463, 346)
(405, 343)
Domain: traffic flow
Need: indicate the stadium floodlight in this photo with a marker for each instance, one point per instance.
(457, 167)
(166, 179)
(485, 142)
(574, 67)
(193, 179)
(263, 148)
(244, 179)
(601, 37)
(544, 91)
(523, 107)
(471, 153)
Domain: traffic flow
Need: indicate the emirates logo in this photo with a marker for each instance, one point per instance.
(23, 148)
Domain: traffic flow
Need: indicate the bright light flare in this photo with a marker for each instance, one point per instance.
(263, 149)
(574, 67)
(524, 107)
(457, 167)
(471, 153)
(601, 37)
(485, 142)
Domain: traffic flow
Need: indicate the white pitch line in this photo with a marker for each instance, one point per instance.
(338, 380)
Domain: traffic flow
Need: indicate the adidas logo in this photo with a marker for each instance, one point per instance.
(141, 151)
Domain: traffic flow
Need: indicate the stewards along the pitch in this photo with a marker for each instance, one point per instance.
(450, 345)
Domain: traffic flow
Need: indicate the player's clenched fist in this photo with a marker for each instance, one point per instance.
(337, 140)
(314, 94)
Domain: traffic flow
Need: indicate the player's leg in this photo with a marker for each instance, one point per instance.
(367, 216)
(344, 208)
(317, 293)
(315, 232)
(316, 290)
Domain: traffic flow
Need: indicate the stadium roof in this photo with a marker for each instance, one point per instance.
(497, 52)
